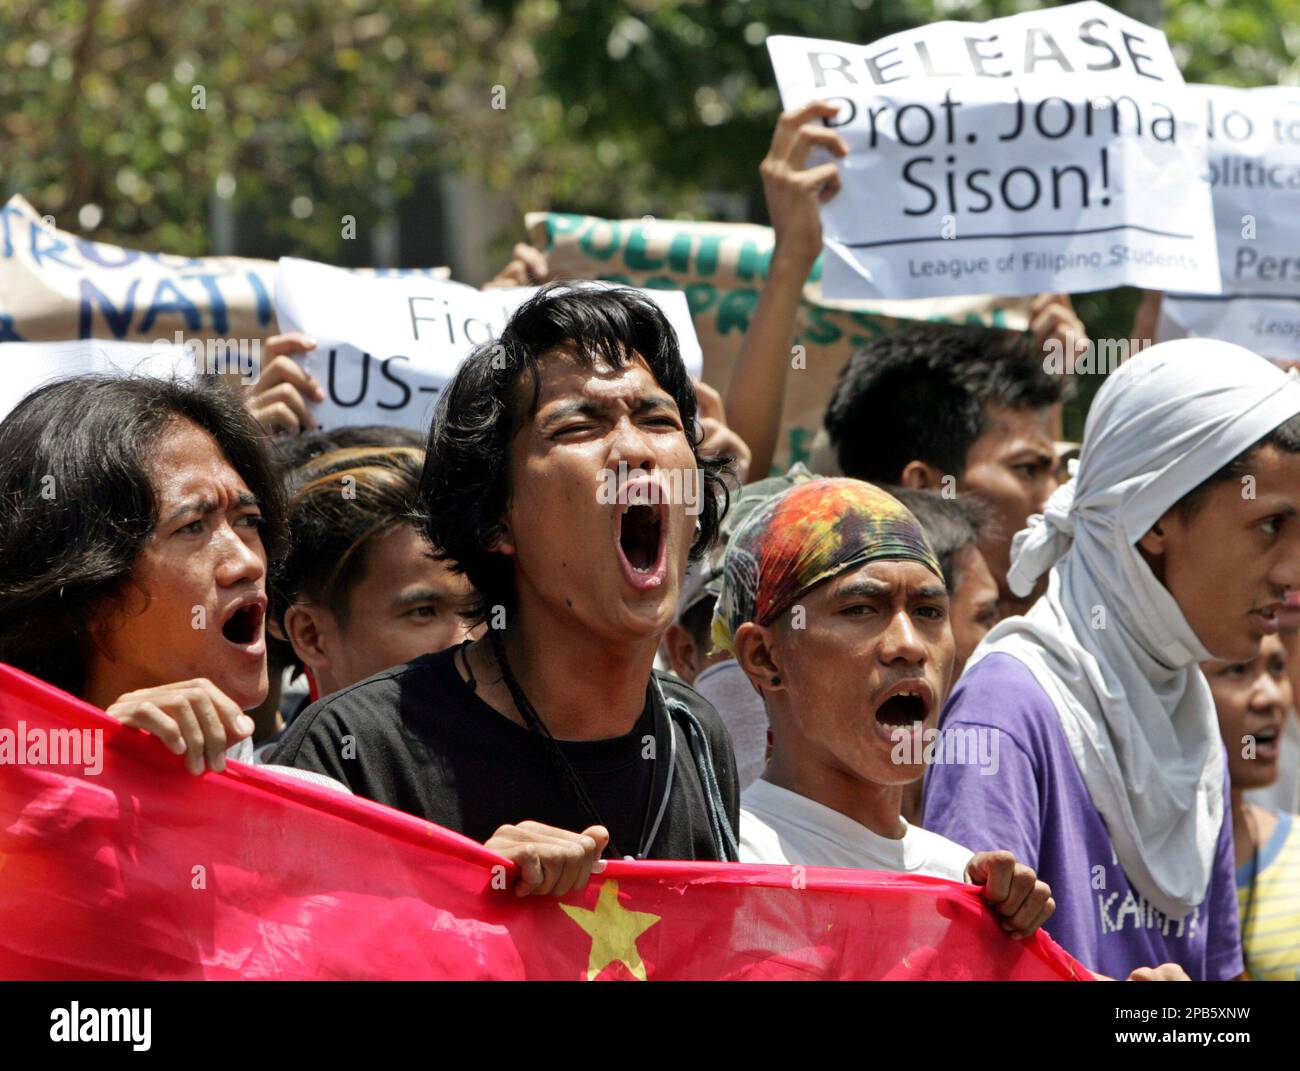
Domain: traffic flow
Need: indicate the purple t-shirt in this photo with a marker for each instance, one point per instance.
(1037, 805)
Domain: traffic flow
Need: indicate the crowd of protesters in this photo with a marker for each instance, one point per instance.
(932, 650)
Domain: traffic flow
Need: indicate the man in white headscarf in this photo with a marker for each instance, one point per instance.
(1175, 541)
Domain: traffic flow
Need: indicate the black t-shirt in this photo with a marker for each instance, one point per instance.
(422, 741)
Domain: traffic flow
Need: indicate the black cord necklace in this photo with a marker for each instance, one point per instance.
(534, 722)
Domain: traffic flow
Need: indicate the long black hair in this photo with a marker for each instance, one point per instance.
(77, 504)
(465, 485)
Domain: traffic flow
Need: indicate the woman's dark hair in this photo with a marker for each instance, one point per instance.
(465, 486)
(1285, 437)
(77, 504)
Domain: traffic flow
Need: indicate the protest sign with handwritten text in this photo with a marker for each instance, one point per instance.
(1050, 151)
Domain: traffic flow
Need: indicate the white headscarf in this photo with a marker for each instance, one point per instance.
(1107, 642)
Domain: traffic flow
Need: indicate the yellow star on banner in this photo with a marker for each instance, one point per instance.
(614, 930)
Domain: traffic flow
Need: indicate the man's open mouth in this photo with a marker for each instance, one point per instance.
(905, 708)
(243, 625)
(641, 535)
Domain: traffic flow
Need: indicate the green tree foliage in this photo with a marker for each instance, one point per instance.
(1235, 43)
(304, 110)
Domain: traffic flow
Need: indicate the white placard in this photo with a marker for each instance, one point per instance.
(25, 366)
(1054, 150)
(387, 347)
(1254, 175)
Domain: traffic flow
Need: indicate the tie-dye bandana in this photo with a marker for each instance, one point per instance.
(811, 533)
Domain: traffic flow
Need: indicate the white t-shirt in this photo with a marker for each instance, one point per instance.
(727, 688)
(780, 826)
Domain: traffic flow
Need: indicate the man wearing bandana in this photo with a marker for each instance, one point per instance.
(835, 607)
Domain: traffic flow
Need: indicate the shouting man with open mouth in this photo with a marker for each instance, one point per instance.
(551, 739)
(835, 606)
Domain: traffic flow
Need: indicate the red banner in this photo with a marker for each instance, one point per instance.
(116, 864)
